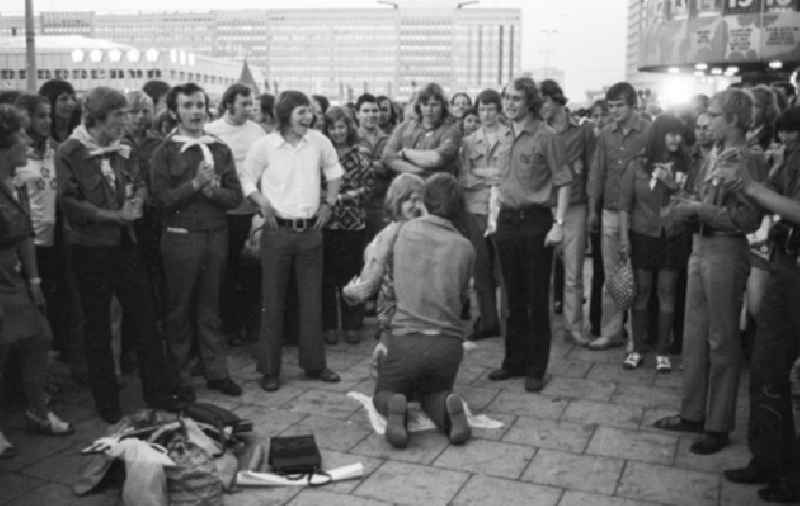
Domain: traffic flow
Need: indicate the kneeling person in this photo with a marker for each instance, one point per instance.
(432, 266)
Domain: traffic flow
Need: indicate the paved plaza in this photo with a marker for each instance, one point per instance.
(586, 440)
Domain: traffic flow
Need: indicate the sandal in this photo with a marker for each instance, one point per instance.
(663, 364)
(51, 425)
(633, 360)
(676, 423)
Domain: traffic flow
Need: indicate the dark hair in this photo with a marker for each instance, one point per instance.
(322, 101)
(52, 89)
(461, 94)
(335, 114)
(233, 91)
(490, 97)
(435, 92)
(9, 97)
(287, 101)
(703, 99)
(528, 86)
(165, 121)
(550, 88)
(266, 103)
(99, 102)
(738, 103)
(29, 102)
(443, 197)
(602, 104)
(789, 120)
(622, 91)
(655, 150)
(183, 89)
(471, 111)
(392, 111)
(10, 124)
(155, 90)
(366, 98)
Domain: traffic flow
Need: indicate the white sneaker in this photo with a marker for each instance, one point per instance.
(633, 360)
(663, 364)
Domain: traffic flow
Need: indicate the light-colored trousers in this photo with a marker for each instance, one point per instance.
(574, 250)
(611, 322)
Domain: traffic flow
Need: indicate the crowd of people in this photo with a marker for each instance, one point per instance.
(142, 211)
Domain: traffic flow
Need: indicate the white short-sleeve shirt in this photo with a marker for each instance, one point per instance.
(290, 176)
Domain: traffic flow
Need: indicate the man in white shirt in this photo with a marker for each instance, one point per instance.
(289, 164)
(239, 132)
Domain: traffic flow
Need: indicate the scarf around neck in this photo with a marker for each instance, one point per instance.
(82, 135)
(202, 142)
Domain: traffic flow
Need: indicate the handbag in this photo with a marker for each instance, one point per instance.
(621, 286)
(296, 457)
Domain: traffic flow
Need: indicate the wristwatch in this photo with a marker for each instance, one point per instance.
(35, 280)
(559, 222)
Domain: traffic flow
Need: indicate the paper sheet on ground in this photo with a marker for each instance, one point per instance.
(253, 479)
(417, 420)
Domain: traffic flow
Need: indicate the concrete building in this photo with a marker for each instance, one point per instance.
(89, 62)
(339, 53)
(636, 24)
(538, 74)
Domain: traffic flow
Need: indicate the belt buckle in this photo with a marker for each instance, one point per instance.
(299, 225)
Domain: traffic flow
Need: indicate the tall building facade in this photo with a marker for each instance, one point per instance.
(636, 25)
(339, 53)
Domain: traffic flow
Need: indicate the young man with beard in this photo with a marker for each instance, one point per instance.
(617, 144)
(101, 193)
(579, 142)
(239, 132)
(428, 143)
(527, 232)
(718, 269)
(371, 142)
(289, 164)
(195, 184)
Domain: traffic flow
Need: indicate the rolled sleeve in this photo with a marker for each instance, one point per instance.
(557, 161)
(254, 164)
(331, 167)
(449, 144)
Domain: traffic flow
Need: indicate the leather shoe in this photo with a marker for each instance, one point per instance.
(533, 384)
(396, 432)
(502, 375)
(711, 443)
(749, 474)
(325, 375)
(270, 383)
(484, 334)
(168, 402)
(459, 427)
(225, 385)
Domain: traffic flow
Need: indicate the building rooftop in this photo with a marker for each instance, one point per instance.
(60, 42)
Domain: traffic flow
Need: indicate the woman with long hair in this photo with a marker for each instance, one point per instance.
(64, 108)
(344, 235)
(24, 328)
(657, 247)
(387, 116)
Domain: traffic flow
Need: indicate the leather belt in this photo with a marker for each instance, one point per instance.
(300, 225)
(707, 231)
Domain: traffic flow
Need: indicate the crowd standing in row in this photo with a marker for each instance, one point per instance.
(140, 199)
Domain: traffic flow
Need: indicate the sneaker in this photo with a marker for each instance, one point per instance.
(459, 427)
(396, 432)
(225, 385)
(50, 425)
(632, 361)
(663, 364)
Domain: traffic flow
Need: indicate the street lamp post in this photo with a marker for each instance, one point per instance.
(30, 49)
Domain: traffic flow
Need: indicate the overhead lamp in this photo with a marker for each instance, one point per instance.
(191, 59)
(151, 55)
(95, 55)
(114, 55)
(674, 70)
(699, 73)
(133, 55)
(776, 64)
(732, 70)
(716, 71)
(77, 56)
(701, 66)
(173, 55)
(182, 57)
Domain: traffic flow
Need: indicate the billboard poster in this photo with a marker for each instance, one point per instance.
(685, 32)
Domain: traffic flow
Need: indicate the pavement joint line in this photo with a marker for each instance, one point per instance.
(619, 479)
(528, 464)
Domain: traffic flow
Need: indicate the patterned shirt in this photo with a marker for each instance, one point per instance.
(38, 177)
(356, 185)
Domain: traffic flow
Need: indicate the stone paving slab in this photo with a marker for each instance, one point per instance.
(572, 498)
(542, 433)
(484, 490)
(487, 457)
(402, 483)
(669, 485)
(578, 388)
(603, 413)
(634, 445)
(574, 472)
(528, 405)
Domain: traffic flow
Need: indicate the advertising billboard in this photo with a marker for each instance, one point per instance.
(682, 33)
